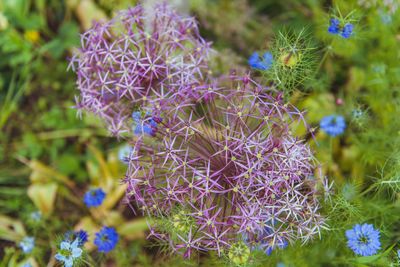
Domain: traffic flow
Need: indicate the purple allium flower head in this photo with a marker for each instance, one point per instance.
(139, 59)
(224, 168)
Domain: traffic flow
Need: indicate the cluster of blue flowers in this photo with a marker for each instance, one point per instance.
(70, 250)
(333, 125)
(345, 32)
(147, 125)
(363, 239)
(261, 63)
(94, 197)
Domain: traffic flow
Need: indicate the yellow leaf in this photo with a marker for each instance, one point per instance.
(43, 196)
(11, 229)
(133, 229)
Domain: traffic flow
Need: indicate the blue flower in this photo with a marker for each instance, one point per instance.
(94, 197)
(333, 125)
(106, 239)
(398, 254)
(124, 153)
(263, 63)
(68, 252)
(347, 30)
(81, 236)
(36, 216)
(334, 27)
(147, 125)
(363, 239)
(27, 244)
(27, 265)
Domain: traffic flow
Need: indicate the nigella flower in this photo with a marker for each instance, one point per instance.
(239, 253)
(219, 175)
(140, 59)
(334, 26)
(81, 236)
(258, 63)
(363, 239)
(69, 252)
(124, 153)
(347, 30)
(27, 244)
(94, 197)
(333, 125)
(106, 239)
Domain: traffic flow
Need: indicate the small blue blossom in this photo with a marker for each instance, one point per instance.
(334, 27)
(36, 216)
(333, 125)
(347, 30)
(94, 197)
(385, 17)
(27, 244)
(124, 153)
(398, 254)
(263, 63)
(27, 265)
(147, 125)
(81, 236)
(106, 239)
(68, 252)
(363, 239)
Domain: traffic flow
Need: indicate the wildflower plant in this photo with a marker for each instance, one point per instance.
(234, 173)
(125, 63)
(294, 60)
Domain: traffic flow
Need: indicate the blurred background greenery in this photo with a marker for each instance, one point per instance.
(50, 158)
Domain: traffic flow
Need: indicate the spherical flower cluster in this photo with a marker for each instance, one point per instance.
(106, 239)
(221, 172)
(333, 125)
(363, 239)
(94, 197)
(125, 63)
